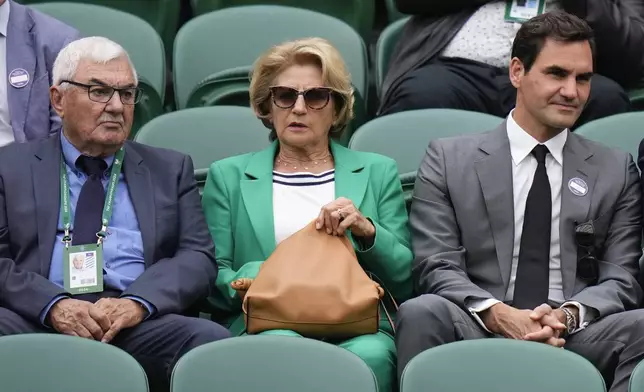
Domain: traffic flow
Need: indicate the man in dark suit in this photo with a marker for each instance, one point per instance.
(147, 252)
(31, 42)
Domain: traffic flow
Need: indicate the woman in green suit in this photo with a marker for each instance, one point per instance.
(302, 92)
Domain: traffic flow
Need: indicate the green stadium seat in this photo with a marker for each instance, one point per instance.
(206, 134)
(163, 15)
(636, 383)
(405, 136)
(137, 37)
(358, 14)
(623, 131)
(36, 362)
(499, 365)
(385, 49)
(271, 363)
(392, 11)
(222, 72)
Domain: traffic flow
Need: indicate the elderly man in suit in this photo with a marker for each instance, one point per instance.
(132, 213)
(529, 231)
(29, 43)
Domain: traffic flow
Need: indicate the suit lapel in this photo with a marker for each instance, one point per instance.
(351, 176)
(494, 170)
(139, 185)
(574, 209)
(45, 169)
(257, 195)
(20, 54)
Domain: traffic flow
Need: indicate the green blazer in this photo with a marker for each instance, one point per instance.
(238, 204)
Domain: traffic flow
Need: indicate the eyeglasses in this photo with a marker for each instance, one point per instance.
(103, 94)
(315, 98)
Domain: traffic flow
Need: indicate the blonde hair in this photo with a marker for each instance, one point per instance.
(315, 51)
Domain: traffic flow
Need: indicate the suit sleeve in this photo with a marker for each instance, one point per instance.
(216, 205)
(174, 284)
(390, 256)
(440, 259)
(24, 292)
(617, 288)
(437, 7)
(619, 33)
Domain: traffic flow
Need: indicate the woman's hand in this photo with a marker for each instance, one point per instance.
(340, 215)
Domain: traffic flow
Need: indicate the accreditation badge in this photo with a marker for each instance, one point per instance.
(83, 265)
(522, 10)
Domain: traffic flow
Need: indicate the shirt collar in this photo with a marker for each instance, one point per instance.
(4, 18)
(71, 153)
(522, 143)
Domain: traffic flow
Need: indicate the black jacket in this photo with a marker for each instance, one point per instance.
(618, 26)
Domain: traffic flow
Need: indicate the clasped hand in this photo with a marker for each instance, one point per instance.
(100, 321)
(540, 325)
(341, 215)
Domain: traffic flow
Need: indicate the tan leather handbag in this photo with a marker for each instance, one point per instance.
(312, 284)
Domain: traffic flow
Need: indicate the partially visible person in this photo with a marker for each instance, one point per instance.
(131, 210)
(529, 231)
(29, 43)
(456, 55)
(302, 91)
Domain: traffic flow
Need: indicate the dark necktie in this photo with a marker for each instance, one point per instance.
(89, 208)
(532, 280)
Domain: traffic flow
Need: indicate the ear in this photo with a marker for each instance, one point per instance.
(57, 100)
(517, 71)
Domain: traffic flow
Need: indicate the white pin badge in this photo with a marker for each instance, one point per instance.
(578, 186)
(19, 78)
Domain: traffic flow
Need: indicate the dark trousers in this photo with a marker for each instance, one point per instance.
(614, 344)
(157, 343)
(455, 83)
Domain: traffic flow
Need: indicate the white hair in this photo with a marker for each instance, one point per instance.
(99, 50)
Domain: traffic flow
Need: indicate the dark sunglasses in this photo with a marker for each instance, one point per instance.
(587, 264)
(315, 98)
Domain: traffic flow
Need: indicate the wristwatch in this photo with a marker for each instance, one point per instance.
(571, 321)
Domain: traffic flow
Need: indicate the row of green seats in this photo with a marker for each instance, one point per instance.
(247, 364)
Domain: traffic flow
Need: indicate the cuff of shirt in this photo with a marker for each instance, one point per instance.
(586, 314)
(150, 308)
(45, 311)
(480, 305)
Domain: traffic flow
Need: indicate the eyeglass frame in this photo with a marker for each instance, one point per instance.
(137, 91)
(587, 263)
(329, 90)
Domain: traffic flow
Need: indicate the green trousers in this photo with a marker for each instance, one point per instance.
(377, 350)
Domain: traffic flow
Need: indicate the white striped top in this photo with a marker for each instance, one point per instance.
(298, 198)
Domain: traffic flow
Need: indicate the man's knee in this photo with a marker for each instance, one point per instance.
(429, 87)
(424, 309)
(11, 323)
(202, 331)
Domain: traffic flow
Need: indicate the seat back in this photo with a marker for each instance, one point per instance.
(636, 383)
(271, 363)
(622, 131)
(235, 37)
(499, 365)
(134, 34)
(162, 15)
(59, 363)
(405, 136)
(358, 14)
(207, 134)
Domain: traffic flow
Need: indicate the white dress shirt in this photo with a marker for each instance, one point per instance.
(6, 132)
(524, 166)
